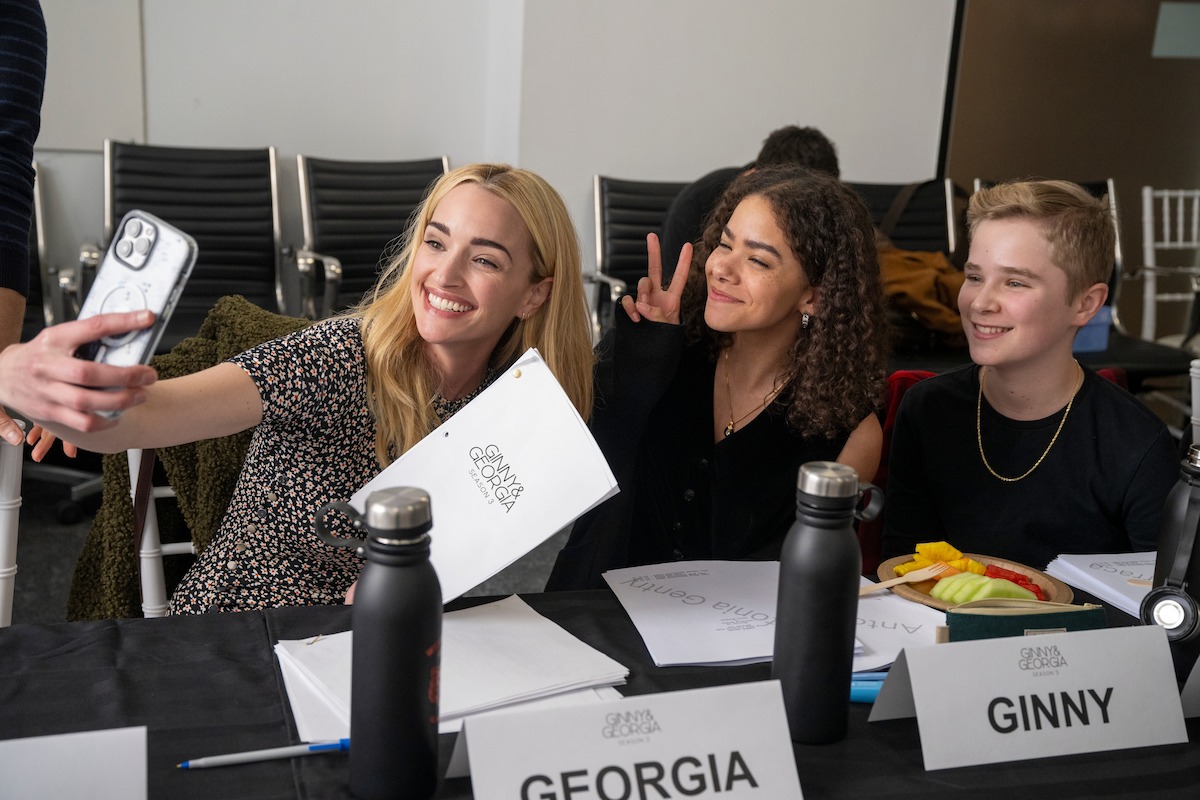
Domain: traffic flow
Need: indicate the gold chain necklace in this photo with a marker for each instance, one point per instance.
(1046, 452)
(733, 423)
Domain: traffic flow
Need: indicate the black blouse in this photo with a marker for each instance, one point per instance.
(683, 496)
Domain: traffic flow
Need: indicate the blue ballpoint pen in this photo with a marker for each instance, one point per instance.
(266, 755)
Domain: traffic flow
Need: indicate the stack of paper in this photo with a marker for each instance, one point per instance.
(493, 655)
(1119, 579)
(723, 613)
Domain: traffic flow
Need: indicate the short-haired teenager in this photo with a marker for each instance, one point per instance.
(1026, 454)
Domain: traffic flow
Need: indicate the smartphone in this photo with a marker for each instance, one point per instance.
(146, 266)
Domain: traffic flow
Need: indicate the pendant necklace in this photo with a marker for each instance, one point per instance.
(733, 423)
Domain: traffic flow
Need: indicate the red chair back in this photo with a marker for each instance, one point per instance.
(870, 533)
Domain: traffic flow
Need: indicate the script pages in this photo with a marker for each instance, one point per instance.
(723, 613)
(505, 473)
(1119, 579)
(494, 655)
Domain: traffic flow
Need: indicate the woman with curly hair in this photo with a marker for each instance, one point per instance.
(779, 360)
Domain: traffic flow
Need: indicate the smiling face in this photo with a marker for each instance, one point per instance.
(755, 282)
(1015, 305)
(471, 272)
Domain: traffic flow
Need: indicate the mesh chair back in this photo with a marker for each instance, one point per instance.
(625, 212)
(917, 216)
(225, 198)
(353, 211)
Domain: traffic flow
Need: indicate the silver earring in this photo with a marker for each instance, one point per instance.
(804, 318)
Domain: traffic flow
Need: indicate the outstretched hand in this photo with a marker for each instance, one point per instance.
(44, 380)
(656, 302)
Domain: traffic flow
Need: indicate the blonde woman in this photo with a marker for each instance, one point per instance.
(490, 268)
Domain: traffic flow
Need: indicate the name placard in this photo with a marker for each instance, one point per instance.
(105, 765)
(994, 700)
(727, 742)
(1191, 693)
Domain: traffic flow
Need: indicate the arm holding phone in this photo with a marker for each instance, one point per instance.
(67, 395)
(45, 380)
(74, 380)
(77, 378)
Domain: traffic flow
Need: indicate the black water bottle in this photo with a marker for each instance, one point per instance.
(817, 610)
(1174, 600)
(397, 624)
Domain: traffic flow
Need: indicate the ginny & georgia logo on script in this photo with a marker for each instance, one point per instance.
(495, 476)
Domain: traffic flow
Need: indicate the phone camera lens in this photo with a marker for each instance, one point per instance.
(124, 248)
(142, 245)
(133, 228)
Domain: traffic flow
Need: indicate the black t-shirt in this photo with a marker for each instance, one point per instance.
(1100, 488)
(683, 496)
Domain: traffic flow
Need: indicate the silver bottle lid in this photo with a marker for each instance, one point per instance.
(827, 479)
(404, 509)
(1193, 455)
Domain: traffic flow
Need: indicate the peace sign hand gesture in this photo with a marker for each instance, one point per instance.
(656, 302)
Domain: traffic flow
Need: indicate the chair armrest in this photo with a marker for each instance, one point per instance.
(616, 287)
(306, 271)
(73, 285)
(58, 304)
(306, 263)
(333, 284)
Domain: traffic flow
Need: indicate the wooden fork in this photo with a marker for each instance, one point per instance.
(916, 576)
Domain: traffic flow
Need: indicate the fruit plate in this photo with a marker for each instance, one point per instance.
(1055, 590)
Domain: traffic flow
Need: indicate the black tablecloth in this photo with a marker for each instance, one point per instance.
(210, 684)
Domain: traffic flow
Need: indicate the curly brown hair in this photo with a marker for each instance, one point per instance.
(838, 361)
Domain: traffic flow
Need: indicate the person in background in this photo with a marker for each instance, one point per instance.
(710, 397)
(807, 147)
(1026, 454)
(490, 268)
(22, 81)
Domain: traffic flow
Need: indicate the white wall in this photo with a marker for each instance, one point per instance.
(672, 90)
(655, 88)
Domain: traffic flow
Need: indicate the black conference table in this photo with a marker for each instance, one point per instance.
(210, 684)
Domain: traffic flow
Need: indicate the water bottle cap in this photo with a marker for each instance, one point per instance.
(1193, 455)
(827, 479)
(399, 508)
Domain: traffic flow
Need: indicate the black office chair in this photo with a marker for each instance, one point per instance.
(626, 210)
(352, 211)
(916, 216)
(225, 198)
(924, 217)
(46, 305)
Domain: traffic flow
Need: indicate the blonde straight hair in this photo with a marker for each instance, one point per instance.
(402, 381)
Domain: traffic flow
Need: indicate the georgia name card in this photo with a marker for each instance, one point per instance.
(993, 700)
(105, 765)
(728, 742)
